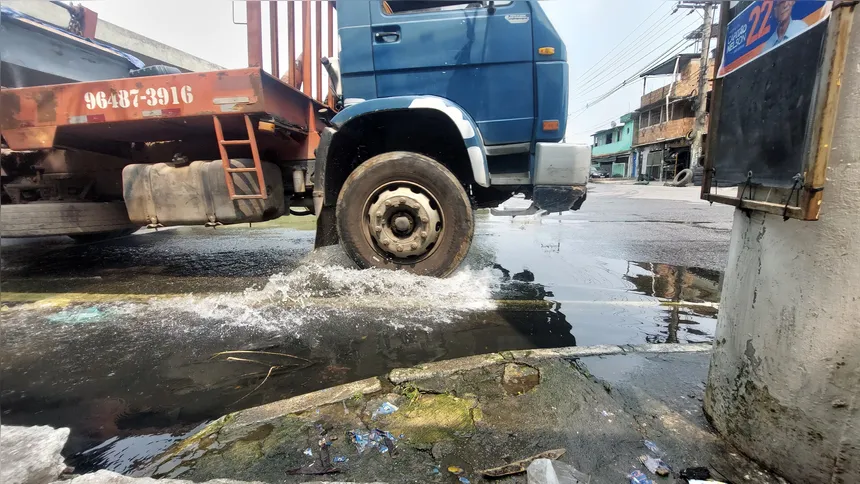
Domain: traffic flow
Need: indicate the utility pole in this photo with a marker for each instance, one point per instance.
(704, 74)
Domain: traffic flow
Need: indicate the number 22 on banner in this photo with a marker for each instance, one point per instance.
(761, 23)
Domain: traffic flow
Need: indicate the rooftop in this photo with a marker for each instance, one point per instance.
(668, 67)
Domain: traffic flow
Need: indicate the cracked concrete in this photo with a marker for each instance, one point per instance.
(462, 414)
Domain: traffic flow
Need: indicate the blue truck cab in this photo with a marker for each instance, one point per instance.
(477, 92)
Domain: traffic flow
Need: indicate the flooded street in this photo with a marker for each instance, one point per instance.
(124, 341)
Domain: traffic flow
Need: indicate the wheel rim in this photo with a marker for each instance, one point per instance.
(403, 221)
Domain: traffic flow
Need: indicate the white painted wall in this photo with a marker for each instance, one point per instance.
(785, 373)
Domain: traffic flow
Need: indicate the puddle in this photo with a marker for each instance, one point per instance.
(131, 376)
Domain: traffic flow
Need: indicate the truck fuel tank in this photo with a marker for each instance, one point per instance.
(163, 194)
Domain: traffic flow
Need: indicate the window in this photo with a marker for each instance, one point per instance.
(608, 138)
(424, 6)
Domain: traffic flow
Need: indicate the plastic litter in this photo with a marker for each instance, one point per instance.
(545, 471)
(520, 466)
(654, 449)
(384, 409)
(700, 473)
(455, 470)
(379, 439)
(435, 470)
(340, 459)
(464, 480)
(77, 316)
(637, 477)
(308, 452)
(655, 465)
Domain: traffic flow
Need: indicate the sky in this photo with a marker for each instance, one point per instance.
(607, 42)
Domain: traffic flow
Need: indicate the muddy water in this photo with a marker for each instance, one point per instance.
(131, 374)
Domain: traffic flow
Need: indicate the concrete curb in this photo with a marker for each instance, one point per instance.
(305, 402)
(308, 401)
(449, 367)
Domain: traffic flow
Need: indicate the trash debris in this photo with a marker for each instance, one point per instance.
(545, 471)
(655, 465)
(378, 439)
(435, 470)
(77, 316)
(312, 472)
(455, 470)
(654, 449)
(637, 477)
(308, 452)
(700, 473)
(340, 459)
(464, 480)
(384, 409)
(520, 466)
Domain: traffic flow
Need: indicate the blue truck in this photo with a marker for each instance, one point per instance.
(434, 109)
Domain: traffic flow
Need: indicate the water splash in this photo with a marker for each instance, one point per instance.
(314, 292)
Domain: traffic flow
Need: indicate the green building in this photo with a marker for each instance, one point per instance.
(611, 151)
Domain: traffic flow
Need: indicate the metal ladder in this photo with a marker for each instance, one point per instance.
(229, 170)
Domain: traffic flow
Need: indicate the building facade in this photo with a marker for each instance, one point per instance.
(666, 119)
(611, 150)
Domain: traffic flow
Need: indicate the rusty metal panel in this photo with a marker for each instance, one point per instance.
(172, 96)
(273, 38)
(30, 138)
(307, 58)
(91, 115)
(318, 51)
(255, 34)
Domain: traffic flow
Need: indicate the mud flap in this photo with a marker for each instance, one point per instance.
(326, 228)
(559, 198)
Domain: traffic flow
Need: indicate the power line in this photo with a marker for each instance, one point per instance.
(645, 40)
(635, 57)
(674, 50)
(598, 125)
(619, 44)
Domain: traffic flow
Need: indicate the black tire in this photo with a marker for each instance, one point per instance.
(101, 236)
(449, 201)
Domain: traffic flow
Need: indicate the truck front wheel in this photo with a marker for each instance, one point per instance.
(402, 210)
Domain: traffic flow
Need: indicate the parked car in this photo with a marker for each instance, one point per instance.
(595, 173)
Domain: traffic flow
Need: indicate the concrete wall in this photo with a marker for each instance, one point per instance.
(626, 140)
(785, 373)
(686, 85)
(677, 128)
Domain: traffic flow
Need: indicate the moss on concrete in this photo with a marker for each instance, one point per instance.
(431, 418)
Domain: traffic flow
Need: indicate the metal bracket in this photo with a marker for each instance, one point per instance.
(531, 210)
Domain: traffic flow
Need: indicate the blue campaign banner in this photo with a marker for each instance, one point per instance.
(764, 26)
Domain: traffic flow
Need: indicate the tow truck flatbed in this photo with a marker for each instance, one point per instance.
(106, 116)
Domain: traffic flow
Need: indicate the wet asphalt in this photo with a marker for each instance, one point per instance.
(126, 344)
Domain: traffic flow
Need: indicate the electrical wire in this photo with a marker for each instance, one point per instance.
(606, 57)
(671, 52)
(634, 58)
(674, 50)
(590, 130)
(634, 52)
